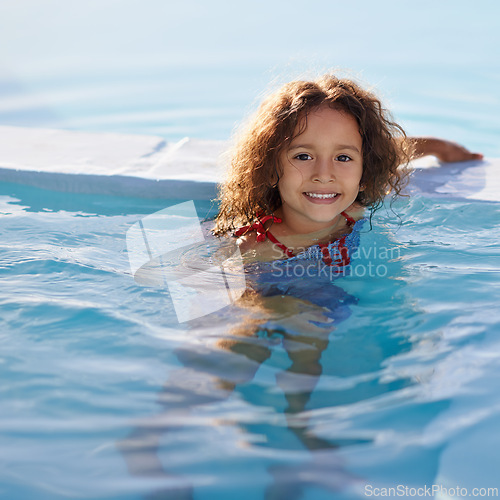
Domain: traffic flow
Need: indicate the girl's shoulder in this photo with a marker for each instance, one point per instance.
(247, 241)
(254, 240)
(252, 248)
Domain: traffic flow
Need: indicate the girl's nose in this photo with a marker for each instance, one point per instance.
(323, 170)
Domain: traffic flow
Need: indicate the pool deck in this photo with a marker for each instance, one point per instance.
(150, 167)
(113, 164)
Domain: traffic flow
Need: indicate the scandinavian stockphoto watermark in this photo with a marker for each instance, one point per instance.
(199, 282)
(367, 261)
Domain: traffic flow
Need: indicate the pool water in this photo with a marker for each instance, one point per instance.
(106, 395)
(382, 378)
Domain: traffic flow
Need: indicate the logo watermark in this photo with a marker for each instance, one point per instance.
(157, 247)
(363, 262)
(433, 491)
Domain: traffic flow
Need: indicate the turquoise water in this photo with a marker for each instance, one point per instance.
(105, 396)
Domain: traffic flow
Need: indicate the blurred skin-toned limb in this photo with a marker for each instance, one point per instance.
(443, 150)
(305, 329)
(209, 375)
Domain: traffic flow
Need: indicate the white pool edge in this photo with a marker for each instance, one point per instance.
(150, 167)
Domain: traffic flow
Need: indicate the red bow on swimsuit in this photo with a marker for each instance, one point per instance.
(263, 233)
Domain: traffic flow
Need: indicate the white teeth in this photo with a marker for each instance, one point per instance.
(321, 196)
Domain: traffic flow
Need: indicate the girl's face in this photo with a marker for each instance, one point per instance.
(320, 171)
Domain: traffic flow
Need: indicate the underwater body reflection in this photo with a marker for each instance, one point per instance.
(288, 325)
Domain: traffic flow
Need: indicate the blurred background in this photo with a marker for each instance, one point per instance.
(196, 68)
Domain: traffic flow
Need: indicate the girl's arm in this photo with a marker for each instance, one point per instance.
(446, 151)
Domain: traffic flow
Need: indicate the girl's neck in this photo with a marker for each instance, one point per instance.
(297, 232)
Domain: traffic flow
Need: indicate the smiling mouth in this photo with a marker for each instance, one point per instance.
(322, 196)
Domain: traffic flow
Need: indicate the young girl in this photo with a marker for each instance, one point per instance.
(312, 158)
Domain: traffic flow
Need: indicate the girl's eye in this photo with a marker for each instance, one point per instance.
(343, 158)
(303, 157)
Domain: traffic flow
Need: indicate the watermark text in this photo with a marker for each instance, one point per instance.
(431, 491)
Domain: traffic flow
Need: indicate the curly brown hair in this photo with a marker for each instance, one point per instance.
(251, 185)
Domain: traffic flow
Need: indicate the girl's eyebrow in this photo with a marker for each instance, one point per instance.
(339, 146)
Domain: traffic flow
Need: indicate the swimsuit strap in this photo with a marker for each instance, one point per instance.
(350, 221)
(288, 252)
(263, 233)
(258, 227)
